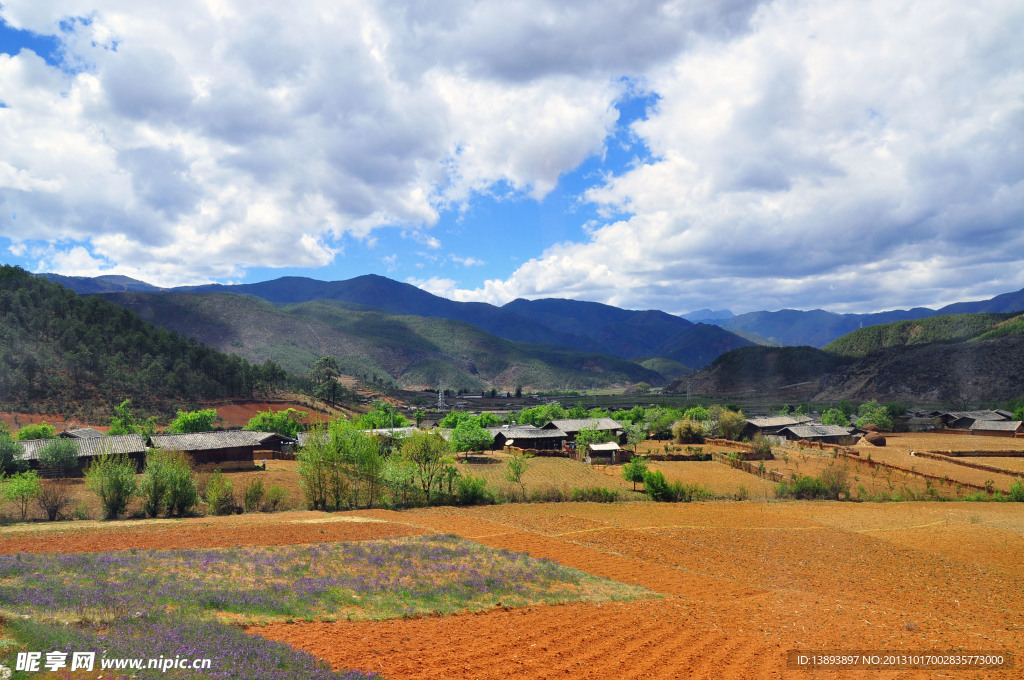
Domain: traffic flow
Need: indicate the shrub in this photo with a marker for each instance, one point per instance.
(54, 497)
(61, 454)
(154, 483)
(112, 478)
(21, 489)
(275, 496)
(37, 431)
(688, 432)
(1017, 491)
(660, 489)
(473, 491)
(548, 494)
(514, 471)
(253, 494)
(11, 460)
(182, 490)
(761, 445)
(594, 494)
(220, 494)
(731, 423)
(833, 483)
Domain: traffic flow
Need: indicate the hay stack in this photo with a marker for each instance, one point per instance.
(874, 438)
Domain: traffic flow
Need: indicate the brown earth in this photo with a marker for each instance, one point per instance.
(743, 583)
(740, 585)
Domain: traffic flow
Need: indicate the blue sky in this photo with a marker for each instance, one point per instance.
(853, 156)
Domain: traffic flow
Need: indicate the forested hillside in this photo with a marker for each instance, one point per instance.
(70, 353)
(376, 346)
(945, 328)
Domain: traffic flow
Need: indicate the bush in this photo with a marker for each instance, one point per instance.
(731, 424)
(54, 497)
(761, 445)
(182, 490)
(833, 483)
(37, 431)
(112, 478)
(688, 432)
(473, 491)
(11, 460)
(220, 494)
(594, 494)
(660, 489)
(275, 496)
(61, 454)
(21, 489)
(252, 495)
(1017, 492)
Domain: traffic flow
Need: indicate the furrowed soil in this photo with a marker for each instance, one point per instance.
(741, 583)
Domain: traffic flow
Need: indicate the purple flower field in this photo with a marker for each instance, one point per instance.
(170, 602)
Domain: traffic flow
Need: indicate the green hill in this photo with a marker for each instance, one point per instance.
(946, 328)
(62, 351)
(378, 346)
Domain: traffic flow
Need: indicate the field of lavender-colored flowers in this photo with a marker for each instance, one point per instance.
(172, 603)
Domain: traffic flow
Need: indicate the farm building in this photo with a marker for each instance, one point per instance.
(530, 438)
(572, 427)
(963, 420)
(766, 425)
(826, 434)
(921, 424)
(606, 453)
(999, 428)
(132, 445)
(80, 433)
(222, 446)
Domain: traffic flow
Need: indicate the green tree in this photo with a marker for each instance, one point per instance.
(193, 421)
(873, 413)
(700, 413)
(591, 435)
(11, 456)
(382, 415)
(313, 468)
(453, 418)
(112, 478)
(325, 375)
(182, 489)
(37, 431)
(635, 435)
(284, 422)
(430, 453)
(469, 436)
(124, 422)
(515, 468)
(21, 489)
(835, 416)
(634, 470)
(61, 454)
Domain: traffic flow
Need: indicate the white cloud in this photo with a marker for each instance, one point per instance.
(851, 155)
(237, 131)
(467, 261)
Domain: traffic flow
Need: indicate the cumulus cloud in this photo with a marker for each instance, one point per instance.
(223, 135)
(860, 156)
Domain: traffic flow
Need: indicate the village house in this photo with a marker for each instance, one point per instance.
(826, 434)
(234, 447)
(131, 445)
(998, 428)
(528, 437)
(770, 425)
(572, 427)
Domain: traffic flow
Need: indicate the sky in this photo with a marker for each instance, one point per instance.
(850, 155)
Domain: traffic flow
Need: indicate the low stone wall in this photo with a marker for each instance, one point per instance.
(969, 464)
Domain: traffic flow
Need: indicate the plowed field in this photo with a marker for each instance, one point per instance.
(741, 584)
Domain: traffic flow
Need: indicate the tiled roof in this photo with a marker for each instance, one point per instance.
(604, 446)
(531, 433)
(93, 446)
(81, 433)
(814, 431)
(778, 421)
(577, 424)
(205, 441)
(997, 425)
